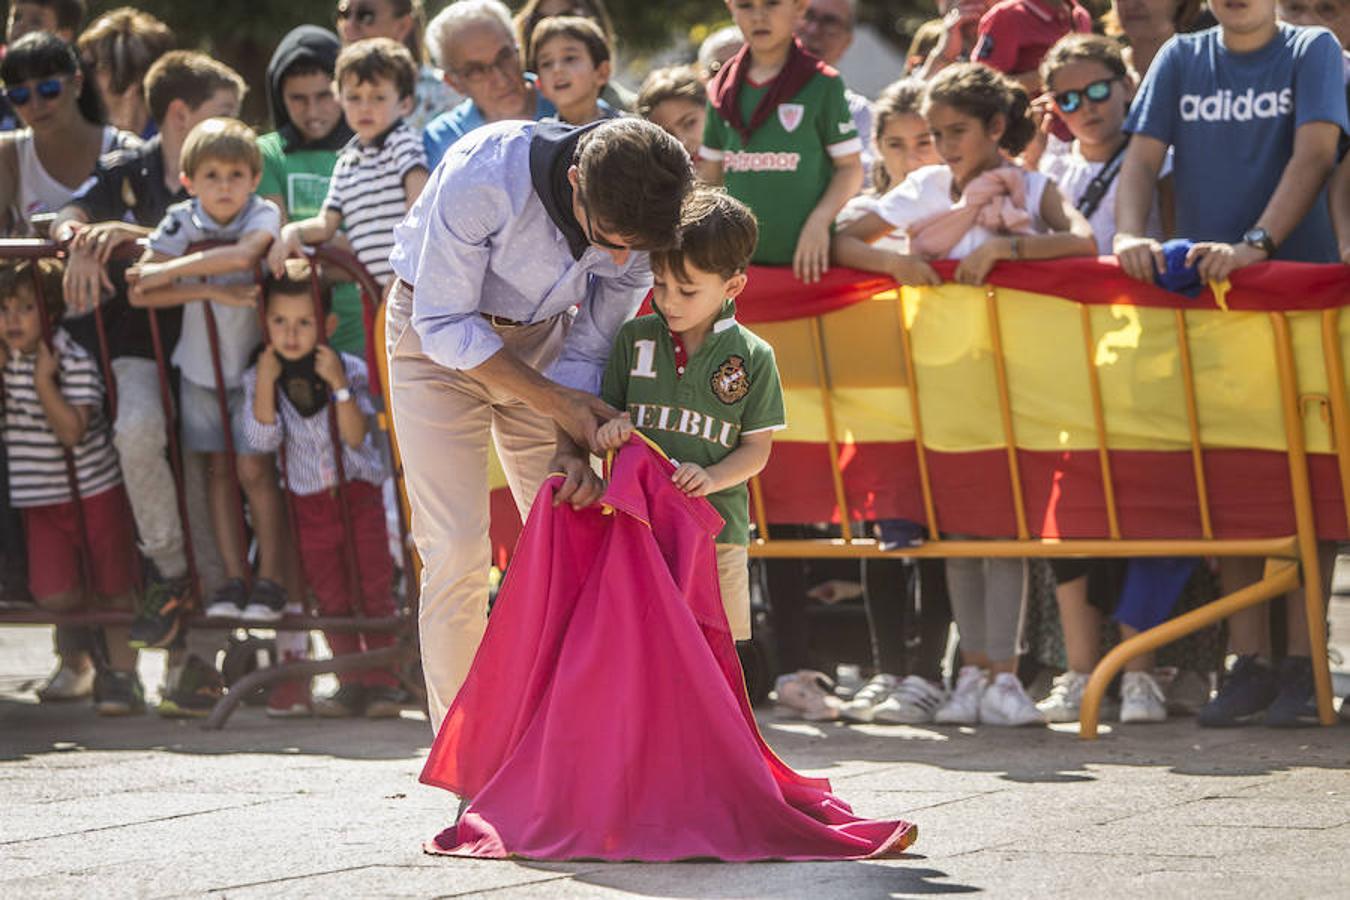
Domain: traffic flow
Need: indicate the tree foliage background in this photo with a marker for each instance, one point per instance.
(243, 33)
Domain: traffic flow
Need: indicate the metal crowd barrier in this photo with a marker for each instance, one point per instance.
(403, 653)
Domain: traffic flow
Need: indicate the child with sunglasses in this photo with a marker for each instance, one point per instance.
(1089, 87)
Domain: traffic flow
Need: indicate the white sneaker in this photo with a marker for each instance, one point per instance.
(860, 708)
(1141, 699)
(67, 684)
(963, 706)
(1066, 697)
(805, 693)
(913, 702)
(1005, 702)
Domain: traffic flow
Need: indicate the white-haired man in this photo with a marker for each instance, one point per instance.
(473, 42)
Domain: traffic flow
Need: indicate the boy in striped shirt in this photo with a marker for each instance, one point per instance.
(380, 172)
(53, 404)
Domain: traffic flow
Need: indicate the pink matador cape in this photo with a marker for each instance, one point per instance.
(605, 716)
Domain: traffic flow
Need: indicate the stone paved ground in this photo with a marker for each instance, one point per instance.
(149, 808)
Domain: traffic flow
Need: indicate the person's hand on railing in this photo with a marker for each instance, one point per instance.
(1215, 261)
(615, 433)
(85, 282)
(283, 248)
(104, 238)
(1140, 257)
(144, 277)
(975, 267)
(913, 271)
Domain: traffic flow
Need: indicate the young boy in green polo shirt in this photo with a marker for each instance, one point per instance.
(780, 135)
(298, 158)
(699, 384)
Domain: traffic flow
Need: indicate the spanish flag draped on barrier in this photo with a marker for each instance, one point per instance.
(851, 347)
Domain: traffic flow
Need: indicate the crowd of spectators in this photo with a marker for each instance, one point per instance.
(1018, 130)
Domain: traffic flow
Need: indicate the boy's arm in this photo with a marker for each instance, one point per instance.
(351, 420)
(240, 256)
(1340, 207)
(1071, 235)
(295, 235)
(68, 421)
(740, 465)
(1138, 254)
(852, 247)
(812, 257)
(259, 413)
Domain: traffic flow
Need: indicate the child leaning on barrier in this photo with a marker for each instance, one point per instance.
(975, 114)
(287, 397)
(380, 172)
(780, 136)
(692, 362)
(221, 167)
(53, 404)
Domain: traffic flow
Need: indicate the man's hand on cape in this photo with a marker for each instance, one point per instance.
(580, 415)
(581, 486)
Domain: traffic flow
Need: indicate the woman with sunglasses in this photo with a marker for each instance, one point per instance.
(404, 21)
(43, 163)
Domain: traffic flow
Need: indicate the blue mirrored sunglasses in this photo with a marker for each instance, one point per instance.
(47, 89)
(1070, 101)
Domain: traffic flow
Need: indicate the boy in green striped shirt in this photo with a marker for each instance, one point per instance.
(699, 384)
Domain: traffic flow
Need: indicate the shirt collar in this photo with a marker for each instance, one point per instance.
(378, 143)
(552, 147)
(726, 319)
(203, 221)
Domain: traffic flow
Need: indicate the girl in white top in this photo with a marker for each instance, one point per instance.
(902, 143)
(1090, 87)
(979, 209)
(43, 164)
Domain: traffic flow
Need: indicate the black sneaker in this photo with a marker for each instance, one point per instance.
(267, 602)
(194, 695)
(1248, 690)
(384, 702)
(1295, 705)
(160, 619)
(118, 694)
(228, 600)
(349, 701)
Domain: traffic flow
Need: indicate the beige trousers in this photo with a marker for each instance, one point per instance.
(444, 419)
(733, 577)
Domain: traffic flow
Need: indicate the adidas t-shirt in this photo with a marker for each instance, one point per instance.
(697, 412)
(1230, 119)
(788, 162)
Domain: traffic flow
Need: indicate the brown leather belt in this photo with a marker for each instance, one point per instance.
(502, 321)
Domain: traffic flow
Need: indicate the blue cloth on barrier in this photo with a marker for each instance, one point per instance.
(1179, 277)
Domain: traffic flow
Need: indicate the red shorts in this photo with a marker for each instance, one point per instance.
(54, 543)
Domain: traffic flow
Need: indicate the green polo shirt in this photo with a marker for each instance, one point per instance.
(787, 164)
(728, 388)
(301, 180)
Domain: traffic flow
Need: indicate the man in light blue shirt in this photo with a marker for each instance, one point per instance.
(473, 41)
(516, 266)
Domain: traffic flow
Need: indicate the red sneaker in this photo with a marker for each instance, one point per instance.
(290, 699)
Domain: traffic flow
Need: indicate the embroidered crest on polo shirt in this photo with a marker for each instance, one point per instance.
(731, 382)
(790, 115)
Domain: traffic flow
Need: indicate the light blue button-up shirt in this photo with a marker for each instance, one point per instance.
(479, 241)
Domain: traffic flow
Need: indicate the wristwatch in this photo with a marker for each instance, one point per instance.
(342, 395)
(1259, 238)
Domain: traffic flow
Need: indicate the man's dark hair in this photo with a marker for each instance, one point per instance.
(718, 234)
(18, 278)
(633, 176)
(376, 58)
(303, 67)
(296, 281)
(189, 76)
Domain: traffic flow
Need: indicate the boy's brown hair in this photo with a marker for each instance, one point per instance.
(575, 27)
(296, 280)
(1074, 48)
(718, 234)
(124, 43)
(222, 139)
(633, 177)
(18, 278)
(189, 76)
(670, 83)
(378, 58)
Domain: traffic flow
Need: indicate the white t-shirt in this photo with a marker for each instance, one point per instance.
(895, 241)
(928, 191)
(1072, 173)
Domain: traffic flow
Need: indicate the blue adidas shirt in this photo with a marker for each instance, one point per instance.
(1231, 118)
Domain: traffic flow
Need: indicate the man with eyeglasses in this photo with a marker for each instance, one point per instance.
(826, 31)
(516, 266)
(473, 41)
